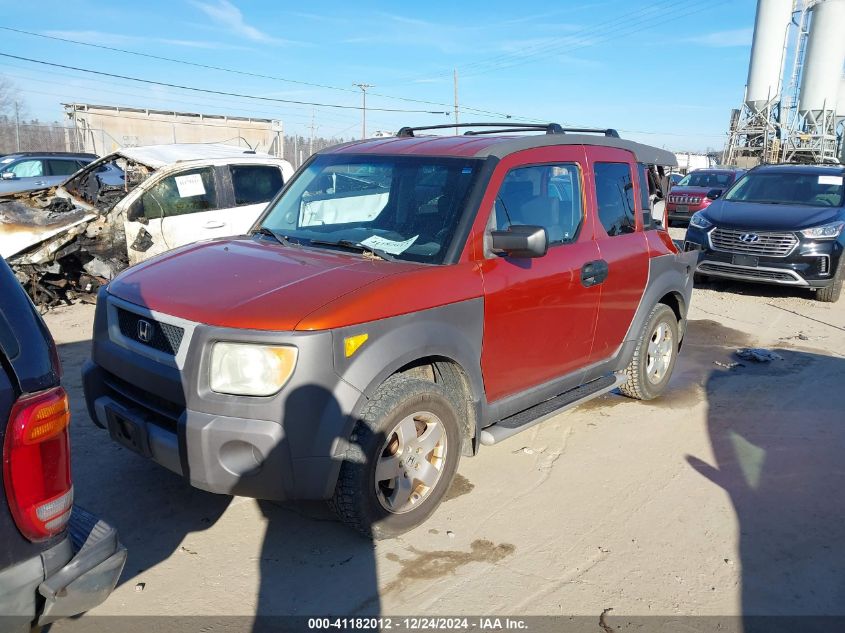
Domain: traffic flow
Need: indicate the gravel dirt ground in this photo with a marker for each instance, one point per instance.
(722, 498)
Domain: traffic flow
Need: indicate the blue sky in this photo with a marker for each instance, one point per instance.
(665, 72)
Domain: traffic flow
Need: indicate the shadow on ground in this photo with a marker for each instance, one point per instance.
(778, 430)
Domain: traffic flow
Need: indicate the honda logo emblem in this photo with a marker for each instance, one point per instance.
(145, 331)
(749, 238)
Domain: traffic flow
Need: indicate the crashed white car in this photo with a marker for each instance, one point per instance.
(129, 206)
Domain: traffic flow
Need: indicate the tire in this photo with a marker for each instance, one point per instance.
(387, 508)
(831, 293)
(651, 368)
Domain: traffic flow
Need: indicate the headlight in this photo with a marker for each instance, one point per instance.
(699, 221)
(825, 231)
(245, 369)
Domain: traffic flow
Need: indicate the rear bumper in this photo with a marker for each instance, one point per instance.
(71, 577)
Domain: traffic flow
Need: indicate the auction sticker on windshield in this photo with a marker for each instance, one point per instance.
(830, 180)
(391, 247)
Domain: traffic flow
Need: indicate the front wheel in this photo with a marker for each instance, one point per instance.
(654, 357)
(401, 460)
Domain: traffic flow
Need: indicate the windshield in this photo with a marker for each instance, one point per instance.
(405, 206)
(710, 179)
(801, 188)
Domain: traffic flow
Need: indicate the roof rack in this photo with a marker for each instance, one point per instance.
(548, 128)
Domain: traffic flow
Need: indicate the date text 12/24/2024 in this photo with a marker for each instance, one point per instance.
(478, 624)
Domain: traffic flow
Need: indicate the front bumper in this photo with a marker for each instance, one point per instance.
(810, 264)
(286, 446)
(72, 577)
(683, 211)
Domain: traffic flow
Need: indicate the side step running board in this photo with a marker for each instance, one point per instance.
(543, 411)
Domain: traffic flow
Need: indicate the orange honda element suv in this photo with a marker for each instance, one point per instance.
(400, 303)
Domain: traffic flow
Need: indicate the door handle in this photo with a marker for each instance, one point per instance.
(214, 224)
(594, 273)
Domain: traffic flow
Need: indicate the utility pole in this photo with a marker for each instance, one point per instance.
(17, 127)
(364, 88)
(455, 76)
(313, 127)
(295, 151)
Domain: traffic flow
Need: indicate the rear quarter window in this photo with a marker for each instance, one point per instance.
(254, 184)
(615, 198)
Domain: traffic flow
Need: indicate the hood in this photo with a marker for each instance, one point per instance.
(770, 217)
(690, 191)
(246, 283)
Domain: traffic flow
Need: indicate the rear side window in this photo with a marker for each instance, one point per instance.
(254, 184)
(188, 192)
(59, 167)
(542, 195)
(615, 198)
(645, 196)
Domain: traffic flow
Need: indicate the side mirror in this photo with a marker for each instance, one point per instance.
(135, 213)
(714, 193)
(521, 240)
(8, 175)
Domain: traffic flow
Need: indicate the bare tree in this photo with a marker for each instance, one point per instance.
(9, 96)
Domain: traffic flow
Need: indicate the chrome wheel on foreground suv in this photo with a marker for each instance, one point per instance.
(654, 357)
(411, 462)
(401, 459)
(661, 349)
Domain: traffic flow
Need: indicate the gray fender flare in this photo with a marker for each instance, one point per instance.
(452, 332)
(670, 274)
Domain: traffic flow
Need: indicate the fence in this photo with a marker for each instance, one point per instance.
(57, 137)
(36, 137)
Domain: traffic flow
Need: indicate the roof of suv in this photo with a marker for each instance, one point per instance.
(50, 154)
(799, 168)
(464, 146)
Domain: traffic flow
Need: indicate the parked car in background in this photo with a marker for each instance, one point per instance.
(697, 190)
(365, 336)
(26, 171)
(129, 206)
(56, 560)
(779, 224)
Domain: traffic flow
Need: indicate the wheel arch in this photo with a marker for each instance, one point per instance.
(442, 345)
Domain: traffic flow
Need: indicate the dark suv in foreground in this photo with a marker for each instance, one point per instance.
(56, 560)
(779, 224)
(400, 303)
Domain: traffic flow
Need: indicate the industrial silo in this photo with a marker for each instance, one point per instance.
(767, 53)
(822, 71)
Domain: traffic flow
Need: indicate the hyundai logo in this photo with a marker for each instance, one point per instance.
(145, 331)
(749, 238)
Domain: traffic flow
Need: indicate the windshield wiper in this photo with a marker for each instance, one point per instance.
(357, 246)
(281, 239)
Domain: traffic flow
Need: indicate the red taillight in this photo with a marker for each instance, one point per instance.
(36, 464)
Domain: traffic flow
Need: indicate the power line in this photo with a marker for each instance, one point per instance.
(622, 30)
(214, 92)
(236, 71)
(213, 102)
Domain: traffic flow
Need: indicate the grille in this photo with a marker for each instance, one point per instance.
(158, 410)
(751, 273)
(770, 244)
(684, 199)
(162, 336)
